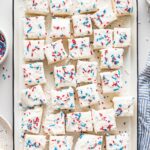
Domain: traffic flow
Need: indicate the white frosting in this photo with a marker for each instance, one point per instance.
(34, 27)
(60, 28)
(55, 52)
(124, 106)
(79, 122)
(80, 48)
(82, 25)
(33, 50)
(104, 120)
(34, 74)
(54, 123)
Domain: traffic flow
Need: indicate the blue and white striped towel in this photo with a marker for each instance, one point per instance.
(144, 108)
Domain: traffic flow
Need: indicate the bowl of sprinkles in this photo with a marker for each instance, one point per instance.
(3, 47)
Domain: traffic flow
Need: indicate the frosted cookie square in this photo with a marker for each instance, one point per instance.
(34, 74)
(34, 27)
(123, 7)
(104, 17)
(65, 76)
(87, 71)
(122, 37)
(55, 52)
(111, 58)
(33, 142)
(103, 38)
(88, 95)
(54, 123)
(111, 81)
(117, 142)
(31, 120)
(33, 96)
(104, 120)
(60, 28)
(89, 141)
(36, 7)
(34, 50)
(124, 106)
(61, 143)
(79, 122)
(63, 99)
(80, 48)
(82, 25)
(61, 7)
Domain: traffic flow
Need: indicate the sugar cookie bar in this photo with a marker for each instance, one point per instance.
(82, 25)
(111, 81)
(103, 38)
(61, 143)
(35, 142)
(63, 99)
(34, 27)
(124, 106)
(36, 7)
(33, 96)
(111, 58)
(34, 50)
(61, 7)
(34, 74)
(54, 123)
(89, 141)
(79, 122)
(123, 7)
(104, 17)
(122, 37)
(88, 95)
(31, 120)
(60, 28)
(80, 48)
(104, 120)
(65, 76)
(117, 142)
(55, 52)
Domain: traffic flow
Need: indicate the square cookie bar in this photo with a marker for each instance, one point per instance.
(54, 123)
(111, 58)
(61, 143)
(63, 99)
(122, 37)
(82, 25)
(117, 142)
(33, 96)
(34, 27)
(124, 106)
(104, 17)
(55, 52)
(104, 120)
(31, 120)
(80, 48)
(61, 7)
(65, 76)
(87, 71)
(88, 95)
(79, 122)
(34, 74)
(103, 38)
(34, 50)
(36, 7)
(89, 142)
(35, 142)
(60, 28)
(111, 81)
(123, 7)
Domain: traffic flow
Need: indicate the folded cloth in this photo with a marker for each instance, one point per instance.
(144, 108)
